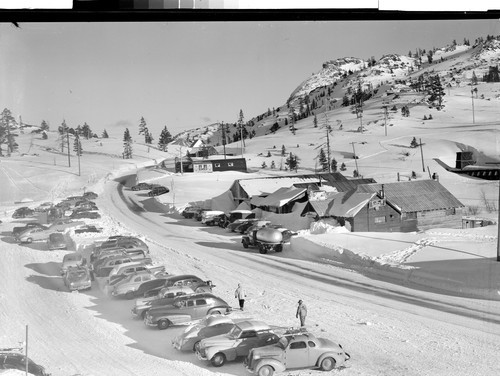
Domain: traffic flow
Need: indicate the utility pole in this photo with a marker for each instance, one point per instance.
(79, 150)
(26, 352)
(472, 97)
(224, 138)
(69, 157)
(355, 159)
(385, 118)
(328, 129)
(422, 154)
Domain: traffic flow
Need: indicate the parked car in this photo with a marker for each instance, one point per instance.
(190, 211)
(236, 223)
(90, 195)
(56, 240)
(210, 326)
(130, 287)
(141, 186)
(33, 235)
(23, 212)
(108, 263)
(77, 278)
(185, 309)
(74, 259)
(296, 350)
(240, 214)
(14, 360)
(208, 216)
(43, 207)
(18, 229)
(120, 272)
(85, 214)
(85, 205)
(244, 336)
(165, 297)
(157, 191)
(189, 280)
(87, 228)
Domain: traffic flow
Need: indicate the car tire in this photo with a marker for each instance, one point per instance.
(279, 248)
(29, 240)
(245, 243)
(196, 346)
(163, 324)
(328, 364)
(218, 360)
(262, 249)
(215, 312)
(265, 370)
(129, 295)
(143, 314)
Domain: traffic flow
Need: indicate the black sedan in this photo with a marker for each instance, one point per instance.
(156, 191)
(142, 186)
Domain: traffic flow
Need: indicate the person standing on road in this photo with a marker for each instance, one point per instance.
(240, 295)
(301, 313)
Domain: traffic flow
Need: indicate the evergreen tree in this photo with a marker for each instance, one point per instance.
(283, 150)
(105, 134)
(322, 160)
(315, 121)
(86, 131)
(165, 138)
(63, 129)
(77, 146)
(436, 90)
(334, 165)
(44, 126)
(44, 136)
(142, 126)
(343, 167)
(292, 162)
(474, 78)
(414, 143)
(127, 145)
(264, 165)
(273, 165)
(7, 128)
(148, 137)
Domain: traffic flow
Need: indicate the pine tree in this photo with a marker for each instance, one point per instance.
(264, 165)
(44, 126)
(148, 137)
(127, 145)
(315, 121)
(273, 165)
(343, 167)
(165, 138)
(105, 134)
(292, 162)
(7, 136)
(86, 131)
(334, 165)
(414, 143)
(142, 126)
(436, 90)
(241, 126)
(283, 150)
(77, 146)
(63, 129)
(322, 160)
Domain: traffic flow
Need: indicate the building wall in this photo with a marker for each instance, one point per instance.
(239, 164)
(448, 218)
(385, 219)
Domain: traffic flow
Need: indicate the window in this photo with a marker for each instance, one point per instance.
(217, 165)
(190, 303)
(230, 164)
(311, 344)
(249, 334)
(450, 211)
(137, 279)
(200, 302)
(298, 345)
(379, 219)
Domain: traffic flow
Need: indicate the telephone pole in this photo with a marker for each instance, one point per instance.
(79, 150)
(67, 138)
(355, 159)
(422, 154)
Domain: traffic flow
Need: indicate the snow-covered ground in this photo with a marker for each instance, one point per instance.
(400, 303)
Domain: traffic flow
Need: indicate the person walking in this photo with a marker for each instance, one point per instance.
(240, 295)
(301, 313)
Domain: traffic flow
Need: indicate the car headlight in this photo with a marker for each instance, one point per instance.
(256, 357)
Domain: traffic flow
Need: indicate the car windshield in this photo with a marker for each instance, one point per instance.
(235, 332)
(77, 274)
(283, 342)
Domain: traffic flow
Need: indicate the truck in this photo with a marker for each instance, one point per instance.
(267, 238)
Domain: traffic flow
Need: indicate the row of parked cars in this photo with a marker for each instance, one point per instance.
(154, 189)
(262, 234)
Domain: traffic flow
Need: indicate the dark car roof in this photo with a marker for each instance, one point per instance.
(183, 276)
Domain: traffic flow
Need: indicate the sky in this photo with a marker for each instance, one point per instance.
(185, 75)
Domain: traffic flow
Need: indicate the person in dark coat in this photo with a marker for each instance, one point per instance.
(240, 295)
(301, 313)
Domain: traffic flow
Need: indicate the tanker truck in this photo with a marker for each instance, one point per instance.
(267, 238)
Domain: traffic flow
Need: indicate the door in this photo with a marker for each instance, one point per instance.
(297, 355)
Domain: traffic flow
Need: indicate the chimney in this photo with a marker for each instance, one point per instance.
(382, 193)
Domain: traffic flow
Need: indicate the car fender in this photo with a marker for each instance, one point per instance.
(277, 365)
(174, 319)
(230, 353)
(338, 359)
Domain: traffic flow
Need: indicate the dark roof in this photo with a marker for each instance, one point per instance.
(415, 195)
(342, 184)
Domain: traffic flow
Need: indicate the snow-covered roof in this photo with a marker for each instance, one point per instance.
(282, 196)
(342, 204)
(259, 186)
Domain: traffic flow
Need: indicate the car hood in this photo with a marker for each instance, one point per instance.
(144, 301)
(220, 340)
(79, 279)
